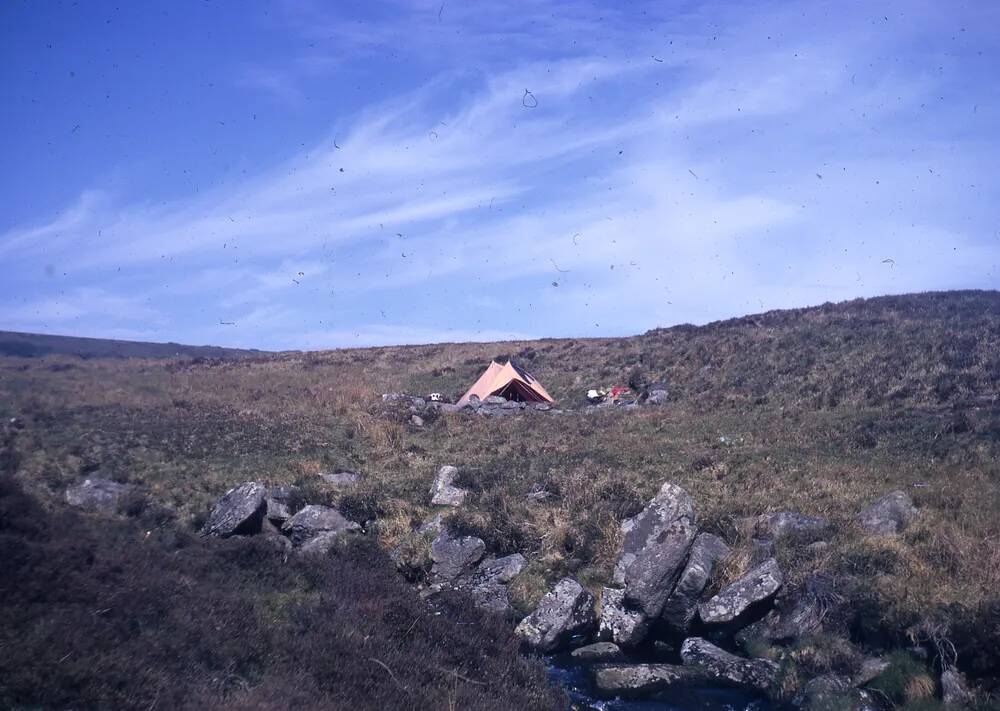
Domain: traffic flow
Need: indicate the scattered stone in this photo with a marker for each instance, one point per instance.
(488, 584)
(341, 480)
(793, 526)
(454, 556)
(417, 420)
(682, 605)
(541, 406)
(314, 520)
(758, 673)
(495, 400)
(832, 691)
(889, 515)
(954, 689)
(96, 494)
(657, 397)
(598, 652)
(619, 624)
(565, 613)
(240, 511)
(756, 586)
(655, 548)
(392, 397)
(443, 490)
(632, 680)
(870, 668)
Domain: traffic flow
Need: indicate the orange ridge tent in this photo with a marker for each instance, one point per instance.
(510, 382)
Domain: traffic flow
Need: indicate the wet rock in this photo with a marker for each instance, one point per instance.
(443, 490)
(720, 664)
(889, 515)
(655, 548)
(454, 556)
(240, 511)
(789, 525)
(619, 624)
(341, 480)
(632, 680)
(564, 614)
(682, 605)
(832, 691)
(597, 652)
(761, 583)
(96, 494)
(314, 520)
(954, 689)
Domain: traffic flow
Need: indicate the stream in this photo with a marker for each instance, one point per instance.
(574, 677)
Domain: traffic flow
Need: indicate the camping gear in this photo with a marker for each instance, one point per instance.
(508, 381)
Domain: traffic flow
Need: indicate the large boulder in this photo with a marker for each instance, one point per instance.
(655, 548)
(761, 583)
(443, 490)
(563, 615)
(619, 624)
(632, 680)
(789, 525)
(682, 605)
(240, 511)
(96, 494)
(313, 520)
(889, 515)
(454, 556)
(720, 664)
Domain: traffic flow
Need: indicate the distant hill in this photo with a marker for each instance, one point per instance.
(31, 345)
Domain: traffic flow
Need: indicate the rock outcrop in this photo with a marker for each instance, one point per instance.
(655, 549)
(96, 494)
(443, 490)
(454, 556)
(682, 605)
(721, 665)
(313, 520)
(889, 515)
(631, 680)
(240, 511)
(761, 583)
(565, 613)
(617, 623)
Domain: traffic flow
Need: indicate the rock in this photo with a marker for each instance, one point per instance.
(314, 520)
(954, 690)
(792, 526)
(682, 605)
(276, 503)
(657, 397)
(818, 547)
(889, 515)
(341, 480)
(655, 548)
(495, 400)
(720, 664)
(392, 397)
(598, 652)
(240, 511)
(538, 495)
(832, 691)
(323, 542)
(631, 680)
(451, 407)
(443, 491)
(756, 586)
(619, 624)
(792, 619)
(541, 406)
(870, 668)
(565, 613)
(96, 494)
(432, 525)
(417, 420)
(454, 556)
(418, 402)
(488, 584)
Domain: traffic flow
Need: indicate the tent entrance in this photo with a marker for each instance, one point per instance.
(518, 392)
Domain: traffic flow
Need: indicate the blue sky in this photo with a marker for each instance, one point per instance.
(310, 175)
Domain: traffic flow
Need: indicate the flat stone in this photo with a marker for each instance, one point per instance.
(314, 520)
(889, 515)
(454, 556)
(756, 586)
(635, 680)
(720, 664)
(789, 525)
(598, 652)
(341, 480)
(96, 494)
(565, 614)
(240, 511)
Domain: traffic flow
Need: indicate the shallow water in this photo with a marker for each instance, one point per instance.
(576, 680)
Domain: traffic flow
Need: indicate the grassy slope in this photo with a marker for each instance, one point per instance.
(823, 410)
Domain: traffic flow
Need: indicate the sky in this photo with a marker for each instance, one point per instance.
(306, 175)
